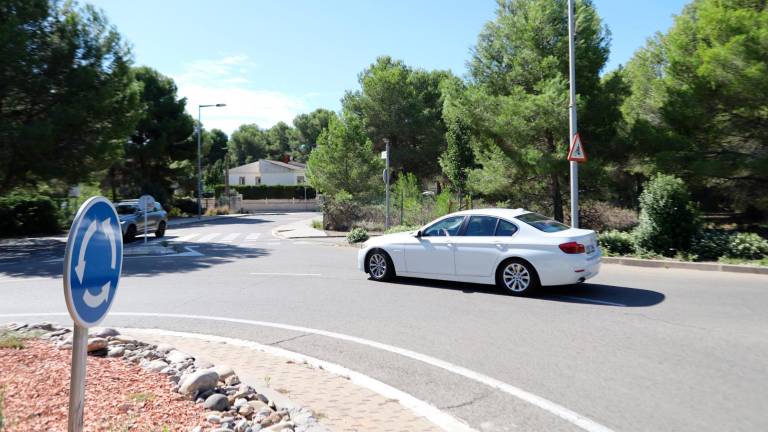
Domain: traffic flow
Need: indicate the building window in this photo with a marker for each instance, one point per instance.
(241, 180)
(257, 180)
(299, 179)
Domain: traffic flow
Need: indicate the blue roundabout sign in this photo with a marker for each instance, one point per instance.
(93, 261)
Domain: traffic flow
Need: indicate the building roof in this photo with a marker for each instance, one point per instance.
(292, 165)
(255, 167)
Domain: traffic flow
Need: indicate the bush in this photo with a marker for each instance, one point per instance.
(357, 235)
(747, 246)
(401, 228)
(340, 212)
(217, 211)
(710, 244)
(185, 205)
(616, 242)
(269, 191)
(25, 214)
(668, 219)
(602, 216)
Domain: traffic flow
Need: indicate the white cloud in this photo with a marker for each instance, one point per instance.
(225, 80)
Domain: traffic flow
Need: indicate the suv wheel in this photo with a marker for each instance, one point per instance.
(160, 229)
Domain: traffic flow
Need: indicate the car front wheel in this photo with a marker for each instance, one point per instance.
(380, 266)
(130, 234)
(517, 277)
(160, 230)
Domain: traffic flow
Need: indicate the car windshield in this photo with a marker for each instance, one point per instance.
(542, 223)
(126, 209)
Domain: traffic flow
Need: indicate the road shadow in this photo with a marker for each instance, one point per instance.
(145, 266)
(584, 293)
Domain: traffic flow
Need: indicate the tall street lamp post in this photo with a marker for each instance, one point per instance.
(572, 111)
(200, 158)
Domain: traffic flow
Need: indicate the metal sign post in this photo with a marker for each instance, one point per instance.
(385, 155)
(572, 124)
(146, 203)
(93, 261)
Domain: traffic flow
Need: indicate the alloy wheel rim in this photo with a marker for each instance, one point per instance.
(516, 277)
(377, 265)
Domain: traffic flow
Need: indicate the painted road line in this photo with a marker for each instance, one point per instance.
(207, 237)
(593, 301)
(564, 413)
(286, 274)
(417, 406)
(229, 238)
(185, 238)
(252, 237)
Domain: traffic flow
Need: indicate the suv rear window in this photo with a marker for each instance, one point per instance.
(542, 223)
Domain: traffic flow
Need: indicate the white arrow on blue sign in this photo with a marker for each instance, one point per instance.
(93, 262)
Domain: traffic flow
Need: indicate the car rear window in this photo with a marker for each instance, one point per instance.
(542, 223)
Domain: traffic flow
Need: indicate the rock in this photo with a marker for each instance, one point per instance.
(164, 348)
(198, 381)
(156, 365)
(105, 332)
(59, 332)
(242, 425)
(259, 405)
(213, 418)
(96, 344)
(176, 356)
(227, 419)
(196, 429)
(46, 326)
(224, 371)
(217, 402)
(232, 380)
(246, 411)
(203, 364)
(279, 427)
(239, 402)
(116, 351)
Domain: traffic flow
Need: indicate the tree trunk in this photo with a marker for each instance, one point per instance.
(557, 198)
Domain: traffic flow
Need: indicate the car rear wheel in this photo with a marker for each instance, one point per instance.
(130, 234)
(160, 230)
(517, 277)
(380, 266)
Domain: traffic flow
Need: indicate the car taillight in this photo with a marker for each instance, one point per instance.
(572, 248)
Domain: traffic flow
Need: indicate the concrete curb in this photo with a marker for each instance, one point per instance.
(639, 262)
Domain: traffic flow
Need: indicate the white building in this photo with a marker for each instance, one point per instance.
(268, 172)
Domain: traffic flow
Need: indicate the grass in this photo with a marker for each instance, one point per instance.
(317, 224)
(759, 262)
(12, 340)
(142, 397)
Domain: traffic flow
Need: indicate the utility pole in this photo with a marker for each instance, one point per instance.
(572, 117)
(388, 221)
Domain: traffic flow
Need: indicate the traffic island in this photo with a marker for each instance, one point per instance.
(124, 390)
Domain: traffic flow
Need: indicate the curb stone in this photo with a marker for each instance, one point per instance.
(640, 262)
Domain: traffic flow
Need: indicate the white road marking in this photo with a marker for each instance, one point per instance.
(286, 274)
(229, 238)
(593, 301)
(417, 406)
(187, 237)
(564, 413)
(9, 280)
(207, 237)
(252, 237)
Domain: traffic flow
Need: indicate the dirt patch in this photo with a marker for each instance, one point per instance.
(120, 396)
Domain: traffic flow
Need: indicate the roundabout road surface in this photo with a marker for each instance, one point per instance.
(633, 350)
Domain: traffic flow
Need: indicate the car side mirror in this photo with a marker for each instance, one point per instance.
(417, 234)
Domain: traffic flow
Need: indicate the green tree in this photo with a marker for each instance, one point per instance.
(163, 135)
(700, 100)
(248, 144)
(215, 146)
(458, 159)
(310, 125)
(344, 162)
(404, 106)
(281, 139)
(67, 94)
(668, 219)
(518, 97)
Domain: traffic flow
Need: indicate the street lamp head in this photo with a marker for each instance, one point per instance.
(221, 105)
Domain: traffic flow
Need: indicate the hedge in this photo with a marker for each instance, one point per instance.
(269, 191)
(25, 214)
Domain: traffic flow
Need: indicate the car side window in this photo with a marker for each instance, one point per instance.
(480, 226)
(450, 225)
(158, 207)
(505, 229)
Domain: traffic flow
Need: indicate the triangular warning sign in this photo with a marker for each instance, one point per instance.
(576, 153)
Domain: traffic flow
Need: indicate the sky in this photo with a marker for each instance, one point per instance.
(270, 60)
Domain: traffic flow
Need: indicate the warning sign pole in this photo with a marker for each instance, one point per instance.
(572, 127)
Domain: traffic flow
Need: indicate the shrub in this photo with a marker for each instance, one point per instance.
(185, 205)
(401, 228)
(603, 216)
(317, 224)
(340, 212)
(668, 219)
(369, 225)
(747, 246)
(616, 242)
(217, 211)
(25, 214)
(710, 244)
(357, 235)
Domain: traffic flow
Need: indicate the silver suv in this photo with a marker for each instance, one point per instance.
(132, 219)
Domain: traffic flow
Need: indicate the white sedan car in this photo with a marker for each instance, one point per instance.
(515, 249)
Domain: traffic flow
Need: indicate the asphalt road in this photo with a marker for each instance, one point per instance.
(633, 350)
